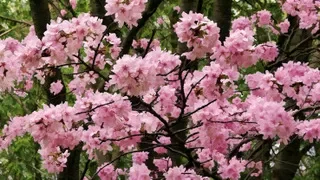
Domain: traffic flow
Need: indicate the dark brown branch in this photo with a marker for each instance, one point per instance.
(236, 149)
(58, 66)
(166, 74)
(133, 135)
(93, 109)
(311, 108)
(149, 43)
(202, 107)
(152, 7)
(86, 167)
(89, 67)
(189, 128)
(233, 121)
(69, 8)
(155, 114)
(194, 86)
(119, 157)
(96, 51)
(15, 20)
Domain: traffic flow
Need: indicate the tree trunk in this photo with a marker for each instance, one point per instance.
(222, 16)
(71, 172)
(40, 15)
(288, 160)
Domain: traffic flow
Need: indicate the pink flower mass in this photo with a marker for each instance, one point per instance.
(56, 87)
(149, 107)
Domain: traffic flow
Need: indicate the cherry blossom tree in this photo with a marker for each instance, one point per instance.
(191, 113)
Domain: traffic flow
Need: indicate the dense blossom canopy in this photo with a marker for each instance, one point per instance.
(147, 94)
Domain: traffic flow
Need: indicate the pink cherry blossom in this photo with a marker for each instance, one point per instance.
(272, 119)
(241, 23)
(107, 172)
(306, 10)
(139, 157)
(139, 172)
(233, 169)
(264, 17)
(267, 51)
(63, 12)
(56, 87)
(118, 102)
(73, 3)
(177, 8)
(160, 21)
(163, 164)
(309, 130)
(198, 32)
(125, 12)
(284, 26)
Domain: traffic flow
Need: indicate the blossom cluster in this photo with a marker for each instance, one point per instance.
(10, 71)
(306, 10)
(137, 75)
(52, 127)
(239, 49)
(272, 119)
(64, 38)
(299, 82)
(149, 94)
(309, 130)
(198, 32)
(126, 11)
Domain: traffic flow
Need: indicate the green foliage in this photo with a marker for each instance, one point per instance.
(17, 10)
(164, 32)
(21, 161)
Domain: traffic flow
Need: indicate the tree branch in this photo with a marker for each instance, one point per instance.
(15, 20)
(153, 5)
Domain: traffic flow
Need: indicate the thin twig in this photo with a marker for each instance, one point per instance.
(202, 107)
(105, 104)
(120, 156)
(149, 43)
(85, 169)
(15, 20)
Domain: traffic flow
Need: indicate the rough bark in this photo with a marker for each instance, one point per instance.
(287, 162)
(222, 16)
(71, 172)
(40, 15)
